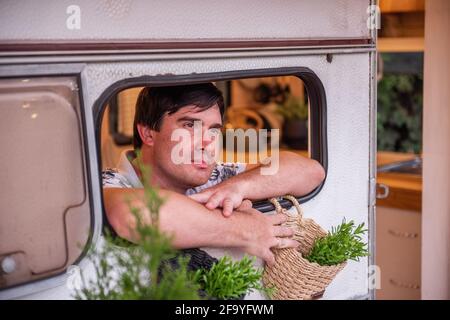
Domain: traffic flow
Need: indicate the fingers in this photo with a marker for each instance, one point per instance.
(287, 243)
(283, 231)
(268, 257)
(227, 207)
(201, 197)
(245, 205)
(278, 243)
(214, 201)
(281, 243)
(277, 219)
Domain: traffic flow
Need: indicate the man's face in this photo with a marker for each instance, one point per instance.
(190, 173)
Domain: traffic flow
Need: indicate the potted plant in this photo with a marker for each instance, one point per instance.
(343, 243)
(295, 127)
(306, 271)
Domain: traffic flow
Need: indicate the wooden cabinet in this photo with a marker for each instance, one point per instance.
(398, 231)
(398, 244)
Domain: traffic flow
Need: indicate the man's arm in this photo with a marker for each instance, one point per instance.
(192, 225)
(296, 175)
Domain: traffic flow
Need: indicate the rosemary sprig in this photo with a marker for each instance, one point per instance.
(343, 243)
(228, 279)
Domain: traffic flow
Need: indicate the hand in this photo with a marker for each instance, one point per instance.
(227, 196)
(261, 233)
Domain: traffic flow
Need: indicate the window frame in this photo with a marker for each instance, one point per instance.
(313, 85)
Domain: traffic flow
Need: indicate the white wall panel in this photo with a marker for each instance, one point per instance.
(184, 20)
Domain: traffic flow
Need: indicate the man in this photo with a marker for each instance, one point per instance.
(206, 204)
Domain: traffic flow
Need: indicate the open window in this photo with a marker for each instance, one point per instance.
(259, 99)
(45, 219)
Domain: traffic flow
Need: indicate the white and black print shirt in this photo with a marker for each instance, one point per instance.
(124, 175)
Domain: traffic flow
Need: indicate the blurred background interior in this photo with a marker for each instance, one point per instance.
(399, 138)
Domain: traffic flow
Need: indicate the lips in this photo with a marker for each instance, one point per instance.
(202, 165)
(204, 162)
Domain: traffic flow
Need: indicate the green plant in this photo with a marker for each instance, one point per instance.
(131, 273)
(228, 279)
(343, 243)
(141, 271)
(399, 116)
(293, 108)
(138, 272)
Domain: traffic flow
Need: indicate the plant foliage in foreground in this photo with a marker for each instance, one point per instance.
(125, 271)
(229, 279)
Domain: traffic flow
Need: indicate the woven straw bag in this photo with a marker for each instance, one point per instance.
(293, 277)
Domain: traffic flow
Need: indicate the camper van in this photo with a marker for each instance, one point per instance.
(70, 74)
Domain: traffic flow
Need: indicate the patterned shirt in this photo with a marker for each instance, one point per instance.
(124, 175)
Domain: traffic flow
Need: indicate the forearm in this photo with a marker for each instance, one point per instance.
(189, 223)
(296, 175)
(192, 225)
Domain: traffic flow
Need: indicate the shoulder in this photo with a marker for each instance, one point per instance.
(112, 178)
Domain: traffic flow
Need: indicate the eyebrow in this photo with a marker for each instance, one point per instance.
(214, 125)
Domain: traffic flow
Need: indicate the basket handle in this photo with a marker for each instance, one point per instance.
(294, 201)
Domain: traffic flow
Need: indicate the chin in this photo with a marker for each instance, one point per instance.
(199, 176)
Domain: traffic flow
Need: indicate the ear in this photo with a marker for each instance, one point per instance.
(146, 134)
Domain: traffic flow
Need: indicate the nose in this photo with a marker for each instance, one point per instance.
(207, 138)
(204, 137)
(203, 140)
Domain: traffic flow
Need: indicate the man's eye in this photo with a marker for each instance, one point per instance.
(214, 131)
(188, 125)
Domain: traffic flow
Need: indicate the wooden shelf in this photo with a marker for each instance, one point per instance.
(401, 44)
(393, 6)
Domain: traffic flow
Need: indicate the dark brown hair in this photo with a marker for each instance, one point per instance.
(154, 103)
